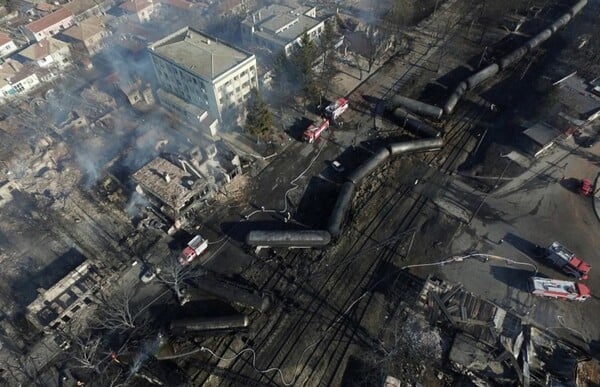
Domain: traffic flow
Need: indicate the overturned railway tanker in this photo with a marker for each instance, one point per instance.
(211, 325)
(322, 238)
(511, 58)
(288, 238)
(399, 105)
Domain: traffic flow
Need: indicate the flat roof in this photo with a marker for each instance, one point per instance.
(575, 93)
(542, 133)
(281, 23)
(199, 53)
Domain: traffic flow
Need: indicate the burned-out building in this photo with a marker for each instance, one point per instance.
(494, 344)
(178, 185)
(65, 299)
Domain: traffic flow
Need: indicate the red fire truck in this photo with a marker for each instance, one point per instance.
(585, 187)
(194, 248)
(335, 109)
(559, 256)
(314, 131)
(553, 288)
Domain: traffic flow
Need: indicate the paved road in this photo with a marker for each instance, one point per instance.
(537, 208)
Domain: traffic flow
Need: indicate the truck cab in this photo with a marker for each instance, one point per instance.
(567, 261)
(335, 109)
(314, 131)
(194, 248)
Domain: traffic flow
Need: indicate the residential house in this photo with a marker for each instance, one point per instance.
(204, 72)
(44, 9)
(48, 52)
(279, 28)
(7, 45)
(66, 299)
(142, 10)
(179, 184)
(16, 79)
(48, 25)
(87, 36)
(82, 9)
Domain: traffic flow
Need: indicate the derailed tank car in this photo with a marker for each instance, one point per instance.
(211, 325)
(288, 238)
(414, 106)
(369, 165)
(412, 123)
(234, 294)
(398, 148)
(340, 209)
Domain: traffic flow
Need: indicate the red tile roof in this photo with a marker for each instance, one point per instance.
(86, 29)
(43, 48)
(45, 7)
(135, 6)
(9, 68)
(49, 20)
(4, 39)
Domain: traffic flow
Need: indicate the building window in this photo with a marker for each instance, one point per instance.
(245, 84)
(237, 89)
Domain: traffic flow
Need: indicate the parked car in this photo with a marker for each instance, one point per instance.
(149, 274)
(337, 166)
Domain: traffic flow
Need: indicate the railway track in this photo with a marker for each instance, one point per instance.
(278, 340)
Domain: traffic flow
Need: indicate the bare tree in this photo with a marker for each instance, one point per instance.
(117, 312)
(174, 274)
(86, 352)
(356, 57)
(379, 43)
(327, 47)
(25, 370)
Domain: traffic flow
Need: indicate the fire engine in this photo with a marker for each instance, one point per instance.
(314, 131)
(585, 187)
(194, 248)
(553, 288)
(559, 256)
(335, 109)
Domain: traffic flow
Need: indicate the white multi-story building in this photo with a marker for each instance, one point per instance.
(204, 72)
(7, 45)
(279, 27)
(49, 25)
(48, 52)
